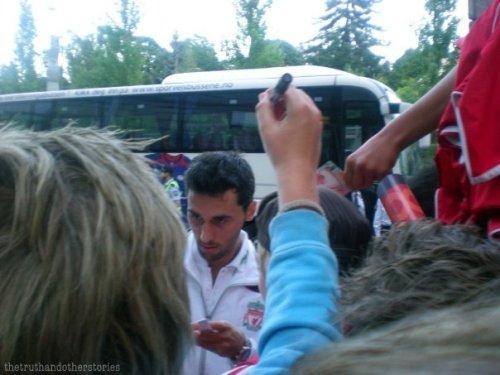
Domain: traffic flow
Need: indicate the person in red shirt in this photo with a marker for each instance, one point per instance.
(464, 107)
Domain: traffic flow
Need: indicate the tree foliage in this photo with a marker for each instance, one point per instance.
(25, 50)
(345, 39)
(437, 37)
(250, 48)
(129, 16)
(9, 80)
(420, 69)
(20, 75)
(194, 54)
(112, 57)
(157, 61)
(290, 54)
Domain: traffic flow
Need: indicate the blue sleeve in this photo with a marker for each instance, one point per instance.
(302, 292)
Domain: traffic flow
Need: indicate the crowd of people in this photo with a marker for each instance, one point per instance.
(99, 273)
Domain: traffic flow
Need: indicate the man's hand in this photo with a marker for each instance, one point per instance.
(223, 338)
(372, 161)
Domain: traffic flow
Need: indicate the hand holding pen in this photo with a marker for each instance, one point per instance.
(277, 94)
(293, 141)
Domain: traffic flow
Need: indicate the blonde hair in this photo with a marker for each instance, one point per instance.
(91, 255)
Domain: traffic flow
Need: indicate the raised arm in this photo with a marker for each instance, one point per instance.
(375, 158)
(302, 275)
(293, 143)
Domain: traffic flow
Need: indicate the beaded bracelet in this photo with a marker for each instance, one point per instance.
(302, 203)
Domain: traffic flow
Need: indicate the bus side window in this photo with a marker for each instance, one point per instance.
(41, 115)
(328, 101)
(82, 113)
(205, 123)
(147, 117)
(26, 115)
(222, 120)
(362, 119)
(216, 139)
(353, 138)
(244, 133)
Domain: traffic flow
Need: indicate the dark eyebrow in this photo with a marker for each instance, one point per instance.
(221, 217)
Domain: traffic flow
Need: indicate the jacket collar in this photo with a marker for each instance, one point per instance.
(244, 264)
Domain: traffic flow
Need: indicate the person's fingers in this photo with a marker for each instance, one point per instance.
(304, 97)
(354, 179)
(220, 325)
(264, 109)
(298, 103)
(346, 176)
(356, 182)
(359, 174)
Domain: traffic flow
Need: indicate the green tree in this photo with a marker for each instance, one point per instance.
(20, 75)
(111, 57)
(407, 76)
(264, 54)
(291, 55)
(129, 16)
(250, 48)
(204, 54)
(9, 80)
(414, 73)
(345, 39)
(194, 54)
(157, 61)
(25, 50)
(437, 38)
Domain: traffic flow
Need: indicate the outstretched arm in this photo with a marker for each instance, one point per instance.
(375, 158)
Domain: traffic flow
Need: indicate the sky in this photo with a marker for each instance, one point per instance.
(295, 21)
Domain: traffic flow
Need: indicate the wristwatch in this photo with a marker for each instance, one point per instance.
(244, 353)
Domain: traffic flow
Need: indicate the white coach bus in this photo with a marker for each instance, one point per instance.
(205, 111)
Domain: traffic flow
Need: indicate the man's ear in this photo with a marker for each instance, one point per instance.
(252, 208)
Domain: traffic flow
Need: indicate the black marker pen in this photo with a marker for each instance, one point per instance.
(281, 87)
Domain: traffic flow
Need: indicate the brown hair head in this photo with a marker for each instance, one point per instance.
(349, 231)
(415, 267)
(463, 339)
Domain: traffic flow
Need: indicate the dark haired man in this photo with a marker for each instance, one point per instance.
(222, 272)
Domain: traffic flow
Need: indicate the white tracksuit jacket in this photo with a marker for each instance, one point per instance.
(234, 297)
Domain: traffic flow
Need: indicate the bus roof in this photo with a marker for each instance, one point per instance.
(263, 78)
(239, 79)
(253, 74)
